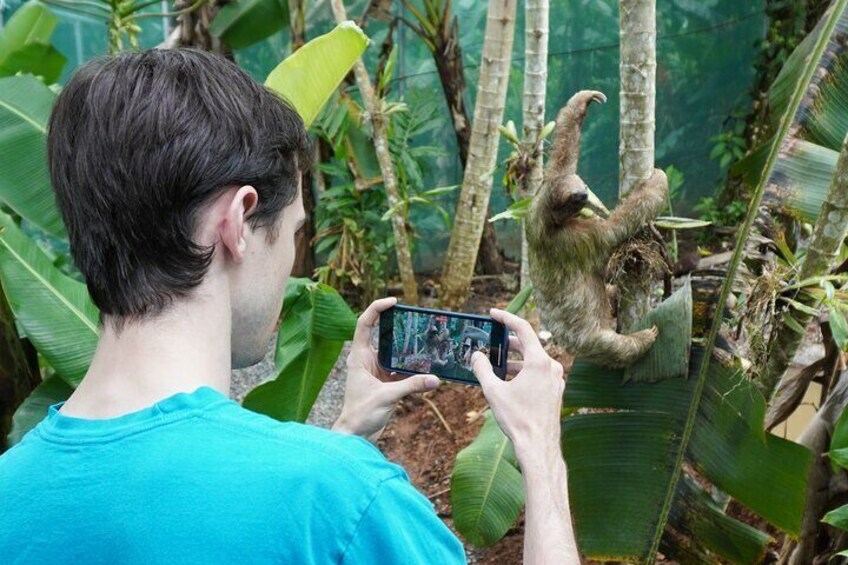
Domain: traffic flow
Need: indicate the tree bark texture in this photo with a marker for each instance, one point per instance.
(304, 263)
(18, 377)
(381, 147)
(193, 28)
(536, 32)
(297, 23)
(477, 180)
(816, 437)
(828, 235)
(637, 73)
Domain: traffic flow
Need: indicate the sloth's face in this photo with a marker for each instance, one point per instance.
(569, 206)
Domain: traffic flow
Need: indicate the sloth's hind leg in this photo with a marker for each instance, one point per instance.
(610, 349)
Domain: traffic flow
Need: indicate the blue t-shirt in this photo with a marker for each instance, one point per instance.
(196, 478)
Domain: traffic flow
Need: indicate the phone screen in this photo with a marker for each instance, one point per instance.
(437, 343)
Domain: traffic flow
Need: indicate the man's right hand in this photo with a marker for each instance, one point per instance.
(527, 408)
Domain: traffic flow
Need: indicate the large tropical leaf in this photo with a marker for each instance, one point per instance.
(54, 310)
(807, 159)
(315, 323)
(243, 23)
(311, 74)
(34, 408)
(25, 105)
(25, 43)
(669, 356)
(623, 461)
(487, 490)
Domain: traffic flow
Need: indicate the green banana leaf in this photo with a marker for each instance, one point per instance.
(54, 310)
(487, 490)
(309, 76)
(315, 323)
(624, 463)
(25, 105)
(695, 514)
(34, 408)
(807, 158)
(25, 43)
(669, 356)
(243, 23)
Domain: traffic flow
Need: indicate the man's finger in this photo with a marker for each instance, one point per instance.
(515, 345)
(416, 383)
(367, 320)
(482, 368)
(522, 328)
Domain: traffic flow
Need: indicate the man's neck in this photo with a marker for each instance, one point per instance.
(179, 351)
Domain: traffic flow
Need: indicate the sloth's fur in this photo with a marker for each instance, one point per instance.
(568, 253)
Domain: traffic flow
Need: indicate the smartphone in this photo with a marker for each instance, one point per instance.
(417, 340)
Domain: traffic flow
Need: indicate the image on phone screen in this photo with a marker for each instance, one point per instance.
(438, 344)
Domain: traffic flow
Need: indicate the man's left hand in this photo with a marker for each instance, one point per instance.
(371, 392)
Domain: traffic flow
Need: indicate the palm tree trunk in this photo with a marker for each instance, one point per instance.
(637, 70)
(828, 235)
(477, 180)
(381, 147)
(535, 82)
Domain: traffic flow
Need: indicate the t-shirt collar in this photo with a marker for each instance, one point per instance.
(57, 425)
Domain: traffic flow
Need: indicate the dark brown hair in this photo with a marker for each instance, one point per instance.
(139, 143)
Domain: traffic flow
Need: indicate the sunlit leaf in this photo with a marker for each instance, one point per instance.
(311, 74)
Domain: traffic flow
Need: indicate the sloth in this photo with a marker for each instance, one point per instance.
(569, 249)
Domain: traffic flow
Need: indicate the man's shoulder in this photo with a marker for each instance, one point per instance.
(297, 442)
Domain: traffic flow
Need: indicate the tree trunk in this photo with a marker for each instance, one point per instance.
(193, 28)
(637, 70)
(297, 23)
(441, 36)
(535, 82)
(477, 179)
(18, 375)
(816, 437)
(304, 264)
(381, 147)
(828, 235)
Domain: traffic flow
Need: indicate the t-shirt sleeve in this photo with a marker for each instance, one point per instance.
(400, 526)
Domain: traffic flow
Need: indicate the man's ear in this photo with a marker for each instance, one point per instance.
(233, 229)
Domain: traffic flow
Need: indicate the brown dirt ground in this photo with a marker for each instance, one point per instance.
(419, 441)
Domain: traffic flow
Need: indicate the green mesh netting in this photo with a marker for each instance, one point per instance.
(705, 56)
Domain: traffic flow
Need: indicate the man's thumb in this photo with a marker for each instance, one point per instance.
(413, 384)
(482, 368)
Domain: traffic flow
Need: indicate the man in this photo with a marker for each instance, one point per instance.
(178, 180)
